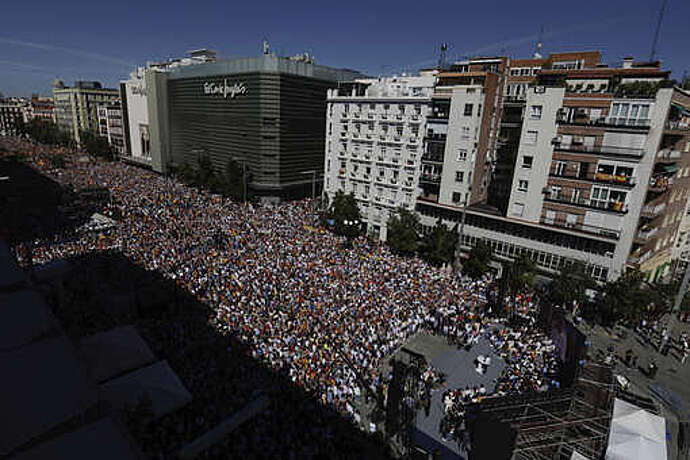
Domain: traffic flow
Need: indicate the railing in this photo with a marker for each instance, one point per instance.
(407, 184)
(612, 206)
(415, 117)
(677, 125)
(668, 154)
(646, 235)
(436, 137)
(628, 181)
(384, 116)
(432, 157)
(413, 139)
(660, 182)
(653, 210)
(635, 259)
(591, 229)
(605, 149)
(433, 178)
(641, 123)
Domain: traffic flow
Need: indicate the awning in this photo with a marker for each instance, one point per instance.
(636, 434)
(669, 168)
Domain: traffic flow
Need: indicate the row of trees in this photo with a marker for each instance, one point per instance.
(231, 183)
(626, 300)
(48, 132)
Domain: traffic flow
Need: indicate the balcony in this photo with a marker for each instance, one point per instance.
(380, 179)
(651, 210)
(676, 127)
(432, 158)
(413, 140)
(599, 150)
(639, 258)
(589, 229)
(431, 178)
(611, 122)
(415, 117)
(668, 155)
(384, 116)
(356, 115)
(617, 207)
(399, 116)
(342, 173)
(660, 183)
(645, 234)
(600, 178)
(394, 181)
(408, 184)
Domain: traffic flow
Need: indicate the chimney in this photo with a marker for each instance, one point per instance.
(628, 62)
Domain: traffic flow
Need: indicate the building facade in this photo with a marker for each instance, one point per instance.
(374, 143)
(584, 169)
(266, 113)
(12, 116)
(40, 108)
(76, 108)
(110, 125)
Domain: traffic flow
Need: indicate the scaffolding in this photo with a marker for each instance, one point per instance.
(553, 424)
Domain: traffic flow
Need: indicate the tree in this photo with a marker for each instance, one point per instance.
(438, 246)
(625, 299)
(97, 146)
(571, 284)
(403, 231)
(233, 180)
(344, 212)
(479, 258)
(518, 275)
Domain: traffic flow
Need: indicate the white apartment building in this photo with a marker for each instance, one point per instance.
(110, 125)
(374, 143)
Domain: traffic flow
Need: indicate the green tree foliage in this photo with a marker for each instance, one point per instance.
(233, 180)
(521, 274)
(57, 161)
(571, 284)
(96, 145)
(637, 89)
(479, 258)
(343, 208)
(438, 246)
(46, 132)
(626, 299)
(403, 231)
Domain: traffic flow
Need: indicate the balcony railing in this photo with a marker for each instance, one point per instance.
(660, 182)
(645, 235)
(433, 178)
(625, 181)
(432, 157)
(652, 210)
(602, 149)
(639, 259)
(610, 206)
(677, 125)
(637, 123)
(591, 229)
(668, 155)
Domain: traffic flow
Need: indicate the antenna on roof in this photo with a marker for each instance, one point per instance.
(442, 57)
(265, 46)
(537, 52)
(652, 54)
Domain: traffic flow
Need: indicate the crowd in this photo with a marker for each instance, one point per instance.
(323, 316)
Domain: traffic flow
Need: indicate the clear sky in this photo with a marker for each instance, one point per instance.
(91, 40)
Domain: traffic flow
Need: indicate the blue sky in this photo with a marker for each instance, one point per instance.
(74, 39)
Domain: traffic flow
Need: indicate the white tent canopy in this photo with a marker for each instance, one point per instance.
(636, 434)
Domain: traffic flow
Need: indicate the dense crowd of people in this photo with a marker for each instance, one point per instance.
(322, 315)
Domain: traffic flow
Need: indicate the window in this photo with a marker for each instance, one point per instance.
(462, 154)
(531, 137)
(514, 72)
(555, 192)
(575, 197)
(459, 176)
(457, 197)
(535, 112)
(523, 185)
(527, 162)
(468, 109)
(372, 106)
(560, 168)
(466, 132)
(550, 217)
(399, 130)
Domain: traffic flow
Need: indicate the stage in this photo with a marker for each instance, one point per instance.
(459, 368)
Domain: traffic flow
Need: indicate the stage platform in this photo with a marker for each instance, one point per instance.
(458, 365)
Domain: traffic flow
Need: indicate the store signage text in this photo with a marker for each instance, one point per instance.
(224, 89)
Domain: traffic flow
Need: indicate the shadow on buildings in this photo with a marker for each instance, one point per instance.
(33, 206)
(104, 290)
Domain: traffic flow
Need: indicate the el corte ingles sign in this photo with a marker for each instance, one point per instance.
(225, 90)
